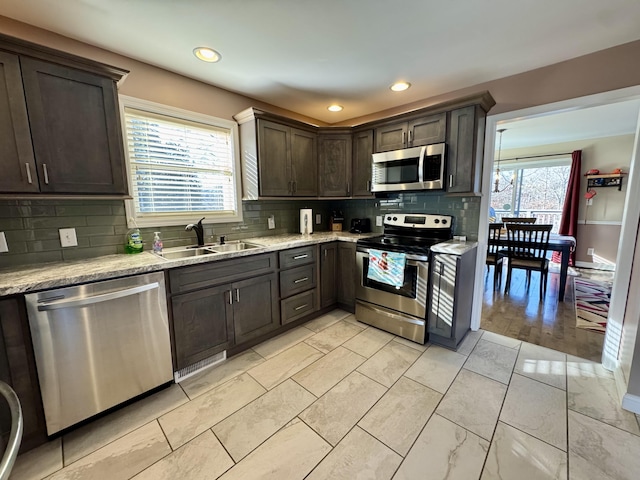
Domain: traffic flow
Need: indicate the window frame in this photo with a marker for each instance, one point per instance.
(163, 220)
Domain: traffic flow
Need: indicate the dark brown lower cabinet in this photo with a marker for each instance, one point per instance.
(346, 275)
(256, 309)
(18, 369)
(328, 284)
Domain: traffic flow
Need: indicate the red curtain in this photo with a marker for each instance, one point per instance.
(569, 220)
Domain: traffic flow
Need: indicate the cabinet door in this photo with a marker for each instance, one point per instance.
(75, 129)
(304, 163)
(362, 150)
(18, 369)
(274, 159)
(442, 311)
(202, 324)
(427, 130)
(335, 165)
(391, 137)
(256, 310)
(328, 287)
(16, 152)
(346, 275)
(461, 160)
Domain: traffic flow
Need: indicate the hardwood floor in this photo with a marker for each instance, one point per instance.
(551, 324)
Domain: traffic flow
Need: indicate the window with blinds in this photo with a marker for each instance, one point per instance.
(181, 165)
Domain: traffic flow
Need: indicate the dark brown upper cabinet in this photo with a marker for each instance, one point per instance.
(361, 170)
(465, 142)
(335, 164)
(59, 123)
(411, 133)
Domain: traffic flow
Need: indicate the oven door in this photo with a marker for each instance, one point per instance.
(410, 299)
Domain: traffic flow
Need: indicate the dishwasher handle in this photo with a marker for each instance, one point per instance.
(105, 297)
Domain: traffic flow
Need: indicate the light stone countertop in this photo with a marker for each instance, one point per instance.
(454, 247)
(30, 278)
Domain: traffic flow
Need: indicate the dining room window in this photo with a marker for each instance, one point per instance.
(535, 188)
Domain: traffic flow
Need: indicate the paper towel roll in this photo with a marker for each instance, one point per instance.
(306, 220)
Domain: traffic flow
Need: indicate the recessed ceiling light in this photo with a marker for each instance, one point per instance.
(335, 108)
(400, 86)
(207, 54)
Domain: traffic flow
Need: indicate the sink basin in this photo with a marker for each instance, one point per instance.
(233, 247)
(184, 252)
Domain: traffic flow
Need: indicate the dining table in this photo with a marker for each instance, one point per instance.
(564, 244)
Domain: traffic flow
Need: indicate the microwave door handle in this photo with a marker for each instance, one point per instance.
(423, 151)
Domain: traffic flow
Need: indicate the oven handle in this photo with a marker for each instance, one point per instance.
(412, 259)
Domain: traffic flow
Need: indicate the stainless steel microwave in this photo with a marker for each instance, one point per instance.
(417, 168)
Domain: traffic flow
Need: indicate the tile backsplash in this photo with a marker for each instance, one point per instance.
(31, 226)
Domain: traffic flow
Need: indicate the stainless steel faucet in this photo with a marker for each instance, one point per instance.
(199, 229)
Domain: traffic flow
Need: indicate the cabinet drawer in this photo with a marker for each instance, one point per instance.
(297, 256)
(194, 277)
(297, 280)
(298, 306)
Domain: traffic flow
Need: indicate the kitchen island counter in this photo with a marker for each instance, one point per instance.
(30, 278)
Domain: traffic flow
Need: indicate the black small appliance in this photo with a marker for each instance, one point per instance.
(360, 225)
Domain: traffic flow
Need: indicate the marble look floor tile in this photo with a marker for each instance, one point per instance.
(357, 456)
(542, 364)
(326, 320)
(597, 397)
(598, 451)
(39, 462)
(436, 368)
(190, 420)
(514, 454)
(368, 342)
(492, 360)
(398, 417)
(333, 336)
(253, 424)
(537, 409)
(500, 339)
(221, 373)
(279, 344)
(121, 459)
(203, 458)
(473, 401)
(335, 413)
(469, 342)
(388, 365)
(290, 454)
(588, 368)
(324, 373)
(84, 440)
(444, 450)
(421, 347)
(277, 369)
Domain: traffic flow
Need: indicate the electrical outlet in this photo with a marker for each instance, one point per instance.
(272, 222)
(378, 220)
(3, 243)
(318, 219)
(68, 237)
(589, 201)
(591, 251)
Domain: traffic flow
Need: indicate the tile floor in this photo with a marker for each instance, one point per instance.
(335, 399)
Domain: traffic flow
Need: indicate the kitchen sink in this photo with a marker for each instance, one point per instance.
(175, 253)
(233, 246)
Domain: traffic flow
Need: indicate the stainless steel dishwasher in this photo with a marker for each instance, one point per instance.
(98, 345)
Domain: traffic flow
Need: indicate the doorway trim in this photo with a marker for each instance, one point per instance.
(631, 215)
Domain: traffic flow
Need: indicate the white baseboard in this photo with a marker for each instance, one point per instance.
(596, 266)
(631, 402)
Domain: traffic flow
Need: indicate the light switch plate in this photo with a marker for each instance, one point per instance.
(272, 222)
(318, 219)
(378, 220)
(3, 243)
(68, 237)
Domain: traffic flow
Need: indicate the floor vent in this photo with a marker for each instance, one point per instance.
(199, 366)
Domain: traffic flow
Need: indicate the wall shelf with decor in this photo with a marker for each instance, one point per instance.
(605, 180)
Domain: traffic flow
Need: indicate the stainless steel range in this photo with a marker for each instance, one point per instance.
(398, 302)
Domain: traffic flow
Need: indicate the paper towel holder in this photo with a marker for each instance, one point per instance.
(306, 221)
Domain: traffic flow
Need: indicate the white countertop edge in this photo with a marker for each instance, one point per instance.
(454, 247)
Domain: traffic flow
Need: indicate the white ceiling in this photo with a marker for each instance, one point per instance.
(305, 54)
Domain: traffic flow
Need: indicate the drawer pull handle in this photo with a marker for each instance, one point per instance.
(298, 257)
(301, 307)
(301, 280)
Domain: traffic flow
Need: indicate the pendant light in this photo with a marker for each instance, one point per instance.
(496, 182)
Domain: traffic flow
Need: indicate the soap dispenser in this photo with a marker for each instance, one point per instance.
(157, 243)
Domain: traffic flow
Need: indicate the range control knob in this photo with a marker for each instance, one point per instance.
(444, 221)
(389, 218)
(436, 221)
(395, 218)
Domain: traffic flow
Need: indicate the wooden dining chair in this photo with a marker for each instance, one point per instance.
(527, 246)
(495, 254)
(518, 219)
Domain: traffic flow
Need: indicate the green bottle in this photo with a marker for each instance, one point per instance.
(134, 241)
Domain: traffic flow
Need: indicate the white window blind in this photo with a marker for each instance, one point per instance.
(179, 168)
